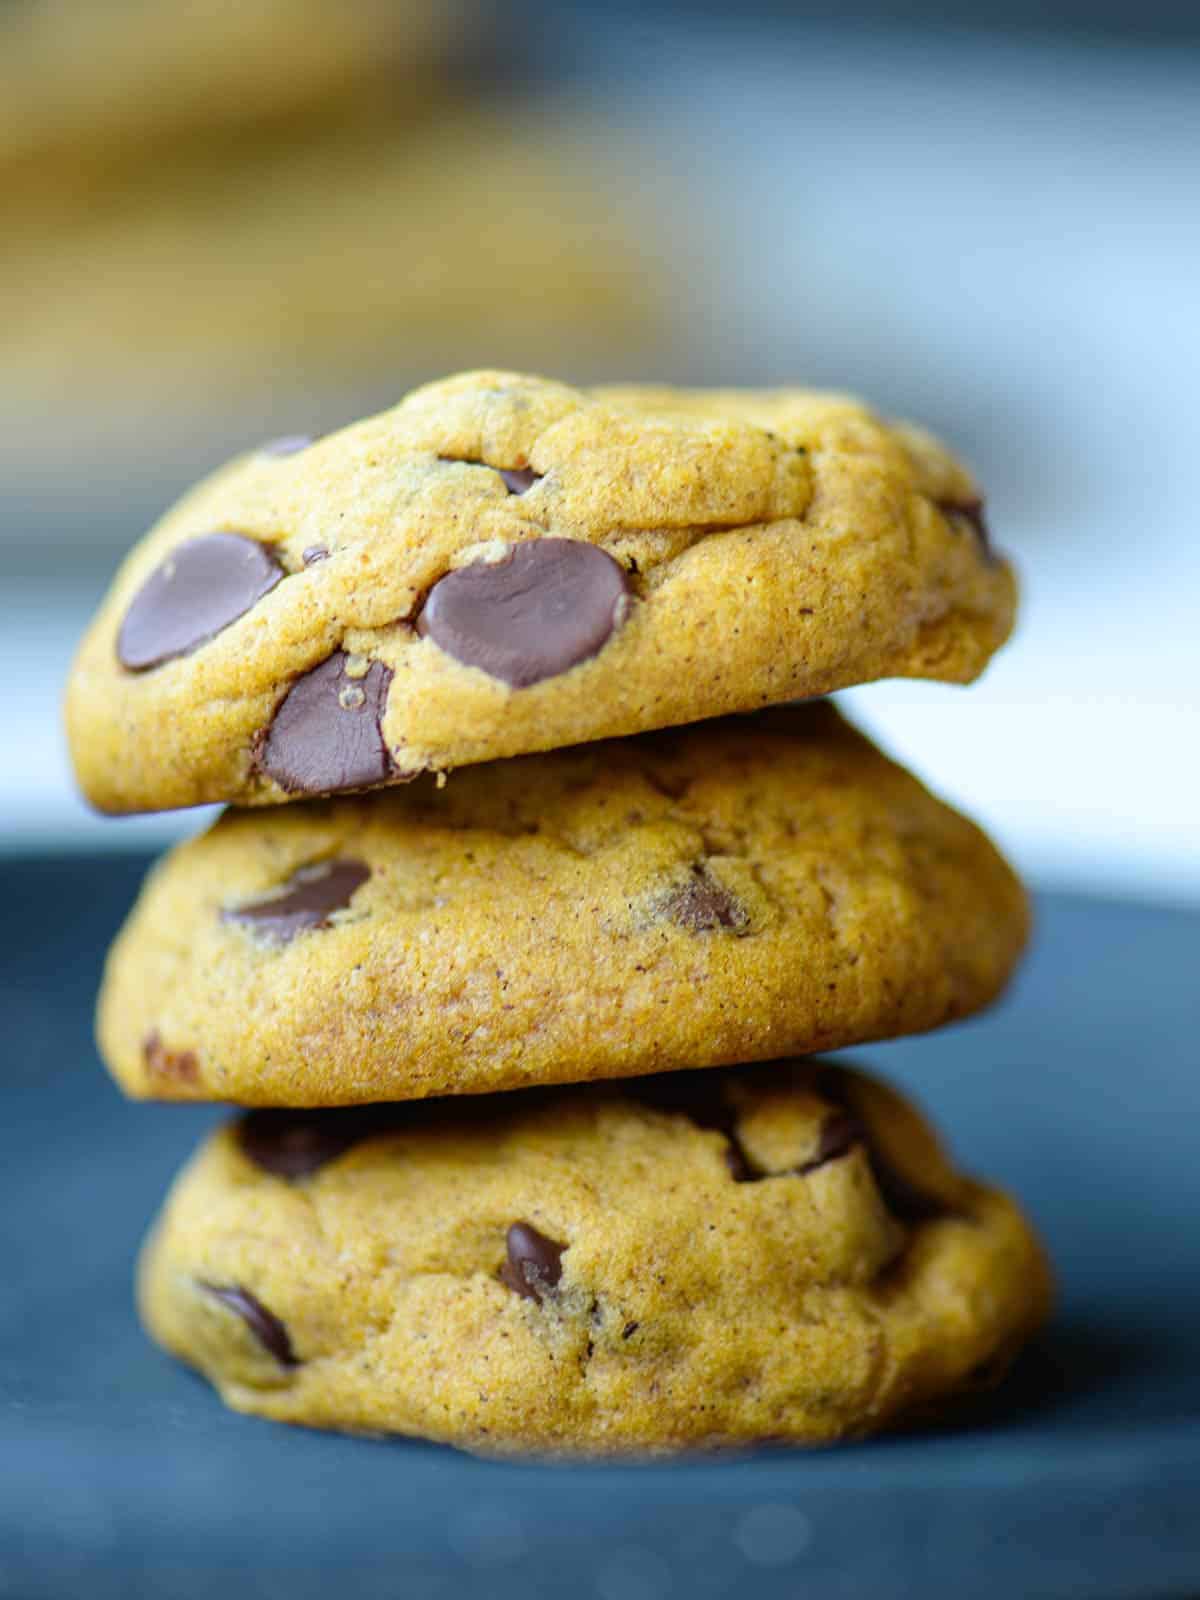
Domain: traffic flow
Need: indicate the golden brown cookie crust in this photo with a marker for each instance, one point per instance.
(778, 1254)
(772, 547)
(720, 893)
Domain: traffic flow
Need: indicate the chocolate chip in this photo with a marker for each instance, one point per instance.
(289, 445)
(263, 1324)
(698, 1096)
(174, 1066)
(295, 1144)
(534, 1263)
(738, 1162)
(701, 905)
(325, 736)
(200, 588)
(970, 512)
(307, 900)
(628, 1331)
(672, 786)
(839, 1134)
(519, 479)
(906, 1200)
(314, 553)
(547, 605)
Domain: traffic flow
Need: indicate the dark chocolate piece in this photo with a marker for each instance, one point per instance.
(972, 513)
(548, 604)
(295, 1144)
(200, 588)
(325, 736)
(906, 1200)
(263, 1324)
(307, 900)
(701, 905)
(519, 480)
(534, 1263)
(839, 1134)
(697, 1095)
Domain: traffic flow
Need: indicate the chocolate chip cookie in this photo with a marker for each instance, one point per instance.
(502, 565)
(90, 92)
(778, 1254)
(343, 262)
(719, 893)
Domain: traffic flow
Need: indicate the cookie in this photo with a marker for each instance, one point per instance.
(726, 892)
(502, 565)
(89, 93)
(777, 1254)
(341, 262)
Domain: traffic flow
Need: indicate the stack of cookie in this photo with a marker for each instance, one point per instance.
(507, 1180)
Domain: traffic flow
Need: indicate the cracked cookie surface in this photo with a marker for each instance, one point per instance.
(501, 565)
(773, 1254)
(730, 891)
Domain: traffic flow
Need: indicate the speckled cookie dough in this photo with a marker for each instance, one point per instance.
(778, 1254)
(731, 891)
(502, 565)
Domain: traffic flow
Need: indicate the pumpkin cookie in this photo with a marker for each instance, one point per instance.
(777, 1254)
(502, 565)
(725, 892)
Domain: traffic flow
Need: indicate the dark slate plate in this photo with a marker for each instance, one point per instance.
(121, 1474)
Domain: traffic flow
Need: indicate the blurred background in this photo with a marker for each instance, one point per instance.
(220, 222)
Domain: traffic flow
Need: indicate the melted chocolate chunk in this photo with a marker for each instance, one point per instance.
(174, 1066)
(972, 513)
(534, 1263)
(200, 588)
(906, 1200)
(263, 1324)
(295, 1144)
(307, 900)
(839, 1134)
(325, 736)
(701, 905)
(314, 553)
(289, 445)
(697, 1095)
(519, 480)
(741, 1168)
(672, 786)
(549, 604)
